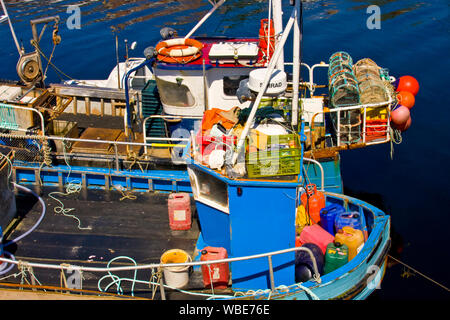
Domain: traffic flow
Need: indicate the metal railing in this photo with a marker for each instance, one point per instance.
(62, 266)
(13, 109)
(322, 174)
(115, 144)
(364, 125)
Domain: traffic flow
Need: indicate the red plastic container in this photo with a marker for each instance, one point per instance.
(317, 235)
(209, 143)
(314, 201)
(179, 211)
(216, 274)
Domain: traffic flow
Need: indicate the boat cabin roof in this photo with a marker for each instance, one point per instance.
(220, 52)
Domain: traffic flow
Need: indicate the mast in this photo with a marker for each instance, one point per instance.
(296, 63)
(12, 29)
(210, 12)
(278, 28)
(270, 68)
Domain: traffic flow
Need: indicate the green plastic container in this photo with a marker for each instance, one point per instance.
(336, 256)
(285, 161)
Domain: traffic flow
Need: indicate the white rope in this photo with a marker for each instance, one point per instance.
(73, 186)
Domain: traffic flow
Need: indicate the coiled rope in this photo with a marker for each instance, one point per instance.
(72, 186)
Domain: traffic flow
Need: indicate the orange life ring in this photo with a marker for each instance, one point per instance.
(179, 50)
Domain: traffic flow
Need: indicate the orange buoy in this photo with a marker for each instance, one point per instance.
(408, 83)
(400, 116)
(179, 50)
(406, 98)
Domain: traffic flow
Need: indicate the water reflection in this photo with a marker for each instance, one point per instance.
(137, 11)
(404, 7)
(101, 11)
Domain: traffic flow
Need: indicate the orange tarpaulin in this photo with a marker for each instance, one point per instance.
(216, 115)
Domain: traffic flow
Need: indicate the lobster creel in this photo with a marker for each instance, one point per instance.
(179, 50)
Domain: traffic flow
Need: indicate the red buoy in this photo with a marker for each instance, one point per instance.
(406, 98)
(408, 83)
(400, 116)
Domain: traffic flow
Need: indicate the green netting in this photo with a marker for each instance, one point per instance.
(342, 83)
(8, 117)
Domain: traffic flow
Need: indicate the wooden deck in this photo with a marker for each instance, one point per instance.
(138, 229)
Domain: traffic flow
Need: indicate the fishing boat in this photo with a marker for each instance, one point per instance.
(221, 119)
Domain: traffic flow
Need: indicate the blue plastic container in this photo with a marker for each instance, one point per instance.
(350, 219)
(304, 269)
(328, 216)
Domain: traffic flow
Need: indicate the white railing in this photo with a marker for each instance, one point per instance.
(322, 174)
(363, 107)
(364, 125)
(115, 144)
(166, 117)
(65, 267)
(13, 107)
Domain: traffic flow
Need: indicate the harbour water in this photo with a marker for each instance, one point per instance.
(413, 39)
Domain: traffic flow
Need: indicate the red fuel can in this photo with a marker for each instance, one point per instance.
(216, 274)
(179, 211)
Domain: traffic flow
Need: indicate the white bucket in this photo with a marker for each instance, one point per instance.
(176, 277)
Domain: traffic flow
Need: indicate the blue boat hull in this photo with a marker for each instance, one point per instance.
(148, 180)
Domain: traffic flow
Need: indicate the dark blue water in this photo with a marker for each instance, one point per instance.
(413, 40)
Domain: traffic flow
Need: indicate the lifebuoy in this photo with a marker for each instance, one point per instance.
(179, 50)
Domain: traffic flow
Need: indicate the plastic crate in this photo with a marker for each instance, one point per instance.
(284, 161)
(376, 113)
(376, 129)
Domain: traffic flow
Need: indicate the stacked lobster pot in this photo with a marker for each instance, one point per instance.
(372, 90)
(371, 86)
(344, 92)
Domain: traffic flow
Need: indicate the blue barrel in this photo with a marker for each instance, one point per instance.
(350, 219)
(328, 216)
(304, 269)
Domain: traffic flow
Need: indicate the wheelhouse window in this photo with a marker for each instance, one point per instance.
(208, 189)
(231, 84)
(174, 94)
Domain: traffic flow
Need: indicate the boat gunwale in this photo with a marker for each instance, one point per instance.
(359, 261)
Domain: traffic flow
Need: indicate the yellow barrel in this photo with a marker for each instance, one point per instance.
(352, 238)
